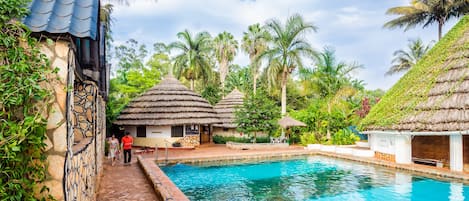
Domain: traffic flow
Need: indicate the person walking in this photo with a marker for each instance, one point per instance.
(127, 142)
(113, 149)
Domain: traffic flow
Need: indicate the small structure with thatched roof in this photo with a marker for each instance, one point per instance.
(287, 122)
(225, 110)
(424, 117)
(169, 112)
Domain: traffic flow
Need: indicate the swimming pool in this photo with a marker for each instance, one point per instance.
(308, 178)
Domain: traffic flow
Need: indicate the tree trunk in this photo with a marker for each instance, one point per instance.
(328, 134)
(284, 94)
(192, 84)
(254, 83)
(223, 73)
(440, 28)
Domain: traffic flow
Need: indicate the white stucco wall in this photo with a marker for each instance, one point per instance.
(383, 143)
(158, 131)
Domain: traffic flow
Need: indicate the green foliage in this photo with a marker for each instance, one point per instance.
(344, 137)
(211, 93)
(240, 78)
(217, 139)
(258, 114)
(133, 77)
(308, 138)
(22, 101)
(412, 89)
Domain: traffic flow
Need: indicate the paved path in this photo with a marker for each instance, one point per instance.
(127, 183)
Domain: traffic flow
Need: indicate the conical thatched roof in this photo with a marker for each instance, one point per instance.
(226, 108)
(434, 95)
(168, 103)
(287, 122)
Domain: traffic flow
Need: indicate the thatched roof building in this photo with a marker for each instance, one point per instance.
(168, 103)
(226, 108)
(434, 95)
(287, 122)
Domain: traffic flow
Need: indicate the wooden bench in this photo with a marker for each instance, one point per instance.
(427, 161)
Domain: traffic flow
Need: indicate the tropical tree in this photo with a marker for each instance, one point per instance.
(427, 12)
(287, 49)
(404, 59)
(254, 43)
(258, 114)
(193, 61)
(225, 50)
(328, 78)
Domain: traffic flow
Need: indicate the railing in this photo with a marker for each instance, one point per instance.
(166, 152)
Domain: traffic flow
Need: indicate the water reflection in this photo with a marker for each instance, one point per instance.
(312, 178)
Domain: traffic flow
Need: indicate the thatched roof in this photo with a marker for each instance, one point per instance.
(226, 108)
(434, 95)
(168, 103)
(287, 122)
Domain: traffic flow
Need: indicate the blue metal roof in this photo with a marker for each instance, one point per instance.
(76, 17)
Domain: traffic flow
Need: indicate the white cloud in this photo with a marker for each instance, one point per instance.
(353, 27)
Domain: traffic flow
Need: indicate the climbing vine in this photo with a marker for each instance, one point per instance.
(23, 101)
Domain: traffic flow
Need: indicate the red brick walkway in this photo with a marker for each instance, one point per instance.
(126, 183)
(129, 182)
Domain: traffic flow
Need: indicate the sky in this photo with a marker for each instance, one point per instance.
(354, 28)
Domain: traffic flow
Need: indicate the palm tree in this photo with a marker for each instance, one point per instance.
(193, 61)
(254, 43)
(225, 51)
(329, 77)
(405, 59)
(287, 50)
(427, 12)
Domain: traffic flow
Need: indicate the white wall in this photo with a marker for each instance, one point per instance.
(158, 131)
(383, 143)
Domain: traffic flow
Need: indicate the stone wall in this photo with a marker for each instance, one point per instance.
(431, 147)
(190, 141)
(74, 165)
(56, 139)
(384, 156)
(84, 163)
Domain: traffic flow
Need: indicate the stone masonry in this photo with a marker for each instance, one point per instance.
(72, 170)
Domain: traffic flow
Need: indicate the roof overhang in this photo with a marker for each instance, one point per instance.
(421, 133)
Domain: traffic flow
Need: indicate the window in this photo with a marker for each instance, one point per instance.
(141, 131)
(192, 129)
(177, 131)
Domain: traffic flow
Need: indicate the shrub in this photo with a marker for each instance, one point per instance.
(344, 137)
(217, 139)
(308, 138)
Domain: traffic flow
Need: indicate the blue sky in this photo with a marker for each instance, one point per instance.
(352, 27)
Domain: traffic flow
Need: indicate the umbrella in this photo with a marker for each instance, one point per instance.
(287, 122)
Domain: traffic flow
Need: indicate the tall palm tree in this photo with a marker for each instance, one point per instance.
(287, 49)
(427, 12)
(254, 43)
(225, 51)
(193, 61)
(405, 59)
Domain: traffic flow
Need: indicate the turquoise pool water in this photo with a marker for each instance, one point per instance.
(308, 178)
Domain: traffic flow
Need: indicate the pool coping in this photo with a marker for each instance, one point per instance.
(162, 182)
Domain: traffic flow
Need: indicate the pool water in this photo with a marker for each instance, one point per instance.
(308, 178)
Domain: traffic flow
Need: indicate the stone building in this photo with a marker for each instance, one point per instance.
(76, 122)
(168, 112)
(225, 110)
(424, 117)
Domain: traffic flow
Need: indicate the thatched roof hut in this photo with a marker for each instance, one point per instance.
(226, 108)
(168, 103)
(434, 95)
(287, 122)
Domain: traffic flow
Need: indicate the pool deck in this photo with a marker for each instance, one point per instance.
(121, 182)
